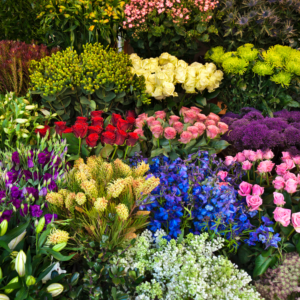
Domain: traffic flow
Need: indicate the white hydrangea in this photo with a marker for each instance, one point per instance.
(186, 270)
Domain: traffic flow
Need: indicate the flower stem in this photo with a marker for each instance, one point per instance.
(253, 171)
(126, 152)
(267, 178)
(114, 152)
(290, 234)
(158, 143)
(260, 182)
(248, 173)
(170, 145)
(79, 146)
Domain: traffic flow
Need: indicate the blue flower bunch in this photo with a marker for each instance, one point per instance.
(193, 198)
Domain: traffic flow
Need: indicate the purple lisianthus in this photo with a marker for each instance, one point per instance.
(52, 186)
(43, 192)
(31, 191)
(30, 163)
(16, 203)
(49, 217)
(11, 176)
(15, 192)
(44, 157)
(35, 211)
(46, 177)
(15, 157)
(2, 196)
(6, 215)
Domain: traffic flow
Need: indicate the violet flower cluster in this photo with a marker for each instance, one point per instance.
(27, 175)
(251, 130)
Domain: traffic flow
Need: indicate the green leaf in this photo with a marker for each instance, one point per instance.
(21, 294)
(173, 155)
(289, 247)
(28, 265)
(263, 262)
(43, 237)
(244, 254)
(106, 151)
(156, 152)
(45, 272)
(85, 151)
(72, 141)
(84, 100)
(100, 93)
(57, 255)
(14, 233)
(298, 247)
(219, 145)
(134, 149)
(74, 278)
(201, 28)
(12, 286)
(98, 149)
(109, 96)
(4, 245)
(201, 100)
(212, 95)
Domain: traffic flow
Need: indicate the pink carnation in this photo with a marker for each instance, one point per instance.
(253, 202)
(157, 131)
(185, 137)
(212, 131)
(170, 133)
(173, 119)
(178, 127)
(194, 131)
(282, 215)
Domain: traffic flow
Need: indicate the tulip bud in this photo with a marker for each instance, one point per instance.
(30, 280)
(4, 297)
(20, 263)
(12, 245)
(14, 280)
(40, 225)
(59, 247)
(55, 289)
(3, 227)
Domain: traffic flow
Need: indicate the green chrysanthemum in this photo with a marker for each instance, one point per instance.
(248, 45)
(262, 69)
(247, 53)
(215, 54)
(273, 58)
(283, 78)
(235, 65)
(228, 55)
(293, 66)
(284, 51)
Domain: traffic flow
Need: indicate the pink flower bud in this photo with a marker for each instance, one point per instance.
(265, 166)
(252, 155)
(278, 198)
(190, 116)
(143, 117)
(201, 118)
(286, 155)
(289, 164)
(240, 157)
(281, 169)
(296, 160)
(150, 120)
(170, 133)
(196, 109)
(259, 155)
(246, 165)
(214, 117)
(257, 190)
(291, 186)
(185, 137)
(245, 188)
(253, 202)
(160, 114)
(210, 122)
(139, 132)
(182, 110)
(289, 175)
(194, 131)
(268, 154)
(139, 123)
(201, 127)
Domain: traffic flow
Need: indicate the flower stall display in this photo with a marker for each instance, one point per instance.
(74, 85)
(176, 136)
(154, 27)
(263, 79)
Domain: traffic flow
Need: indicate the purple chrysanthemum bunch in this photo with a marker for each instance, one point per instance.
(251, 130)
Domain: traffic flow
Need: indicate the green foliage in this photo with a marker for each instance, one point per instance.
(265, 80)
(72, 84)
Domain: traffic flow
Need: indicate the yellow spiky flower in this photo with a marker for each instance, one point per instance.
(101, 204)
(90, 188)
(122, 211)
(78, 162)
(121, 168)
(108, 171)
(80, 198)
(141, 170)
(64, 193)
(115, 188)
(94, 162)
(80, 177)
(58, 236)
(55, 199)
(69, 201)
(147, 187)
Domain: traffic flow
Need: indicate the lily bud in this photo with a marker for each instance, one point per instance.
(30, 280)
(55, 289)
(14, 254)
(4, 297)
(30, 107)
(20, 263)
(12, 245)
(59, 247)
(1, 274)
(40, 225)
(21, 121)
(3, 227)
(40, 127)
(14, 280)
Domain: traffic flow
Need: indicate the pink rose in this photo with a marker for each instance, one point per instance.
(185, 137)
(278, 198)
(268, 154)
(143, 117)
(296, 159)
(182, 110)
(296, 221)
(279, 183)
(157, 131)
(201, 127)
(173, 119)
(139, 132)
(150, 120)
(246, 153)
(214, 117)
(160, 114)
(282, 215)
(265, 166)
(139, 123)
(245, 188)
(289, 164)
(194, 131)
(246, 165)
(252, 155)
(229, 160)
(257, 190)
(240, 157)
(178, 127)
(196, 109)
(170, 133)
(253, 202)
(285, 155)
(210, 122)
(289, 175)
(223, 127)
(222, 174)
(201, 118)
(190, 116)
(298, 178)
(259, 154)
(153, 123)
(281, 169)
(212, 131)
(291, 186)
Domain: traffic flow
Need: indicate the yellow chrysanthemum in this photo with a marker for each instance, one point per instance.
(273, 58)
(80, 198)
(58, 236)
(247, 53)
(101, 204)
(122, 211)
(55, 199)
(69, 201)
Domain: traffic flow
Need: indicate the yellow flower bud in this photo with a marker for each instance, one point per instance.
(55, 289)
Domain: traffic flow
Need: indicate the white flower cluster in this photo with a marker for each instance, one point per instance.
(186, 270)
(164, 72)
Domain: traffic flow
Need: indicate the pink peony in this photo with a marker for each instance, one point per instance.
(210, 122)
(246, 165)
(185, 137)
(178, 127)
(240, 157)
(259, 154)
(282, 215)
(212, 131)
(194, 131)
(201, 118)
(268, 154)
(278, 198)
(289, 175)
(170, 133)
(229, 160)
(157, 131)
(253, 202)
(214, 117)
(182, 110)
(222, 174)
(296, 159)
(196, 109)
(285, 155)
(265, 166)
(150, 120)
(160, 114)
(291, 186)
(223, 127)
(139, 132)
(257, 190)
(296, 221)
(173, 119)
(139, 123)
(289, 164)
(190, 116)
(252, 155)
(201, 127)
(279, 183)
(281, 169)
(245, 188)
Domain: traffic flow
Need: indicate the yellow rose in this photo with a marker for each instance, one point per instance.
(136, 62)
(180, 74)
(203, 74)
(219, 75)
(202, 84)
(153, 64)
(170, 74)
(173, 60)
(169, 89)
(210, 67)
(145, 63)
(149, 88)
(182, 63)
(158, 93)
(151, 79)
(191, 72)
(140, 72)
(160, 77)
(164, 58)
(168, 66)
(189, 86)
(133, 56)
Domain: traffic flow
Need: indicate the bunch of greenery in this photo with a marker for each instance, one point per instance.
(263, 23)
(261, 79)
(19, 120)
(70, 23)
(73, 84)
(101, 199)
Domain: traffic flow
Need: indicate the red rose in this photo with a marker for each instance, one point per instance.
(121, 136)
(96, 113)
(80, 129)
(68, 130)
(115, 118)
(111, 128)
(131, 122)
(95, 129)
(108, 137)
(97, 121)
(81, 120)
(92, 139)
(123, 125)
(43, 131)
(130, 114)
(60, 127)
(132, 139)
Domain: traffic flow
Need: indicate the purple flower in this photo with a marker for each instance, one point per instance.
(43, 192)
(35, 211)
(15, 157)
(31, 191)
(27, 174)
(15, 192)
(6, 215)
(2, 196)
(16, 203)
(44, 157)
(49, 217)
(30, 163)
(11, 176)
(52, 186)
